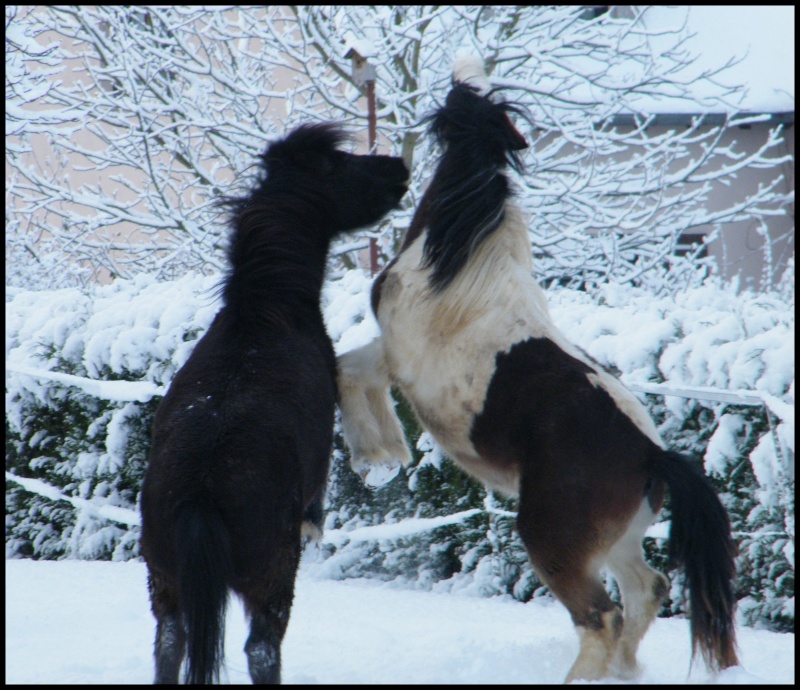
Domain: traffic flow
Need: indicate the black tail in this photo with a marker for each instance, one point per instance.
(700, 540)
(205, 569)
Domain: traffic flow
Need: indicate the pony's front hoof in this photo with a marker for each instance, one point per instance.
(375, 469)
(309, 532)
(378, 475)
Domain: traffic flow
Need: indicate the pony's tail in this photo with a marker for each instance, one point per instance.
(700, 540)
(204, 571)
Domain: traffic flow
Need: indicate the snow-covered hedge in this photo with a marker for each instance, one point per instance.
(85, 372)
(712, 337)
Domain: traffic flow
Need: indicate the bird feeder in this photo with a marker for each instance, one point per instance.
(364, 75)
(363, 72)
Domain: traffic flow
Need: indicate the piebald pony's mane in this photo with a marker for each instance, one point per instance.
(465, 202)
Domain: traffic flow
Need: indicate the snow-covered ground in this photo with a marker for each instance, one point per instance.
(82, 622)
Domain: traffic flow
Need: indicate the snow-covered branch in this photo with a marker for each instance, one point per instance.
(143, 118)
(123, 516)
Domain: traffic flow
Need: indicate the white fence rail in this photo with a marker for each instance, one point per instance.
(144, 390)
(740, 397)
(119, 391)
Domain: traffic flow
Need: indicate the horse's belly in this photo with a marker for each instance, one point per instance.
(447, 397)
(445, 377)
(442, 348)
(446, 386)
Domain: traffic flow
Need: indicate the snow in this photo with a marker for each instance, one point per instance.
(362, 46)
(395, 530)
(348, 316)
(763, 35)
(89, 623)
(758, 39)
(127, 327)
(704, 339)
(722, 447)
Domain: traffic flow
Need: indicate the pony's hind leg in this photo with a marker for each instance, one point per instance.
(561, 548)
(268, 621)
(643, 589)
(599, 634)
(170, 642)
(268, 605)
(598, 621)
(263, 646)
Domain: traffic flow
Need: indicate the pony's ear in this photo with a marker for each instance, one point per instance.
(466, 107)
(469, 69)
(516, 142)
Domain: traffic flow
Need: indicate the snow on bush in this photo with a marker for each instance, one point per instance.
(707, 337)
(710, 337)
(85, 372)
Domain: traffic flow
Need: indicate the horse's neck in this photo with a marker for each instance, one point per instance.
(504, 254)
(515, 238)
(278, 281)
(502, 265)
(499, 270)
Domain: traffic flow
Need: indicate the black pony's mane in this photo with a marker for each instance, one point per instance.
(466, 198)
(276, 252)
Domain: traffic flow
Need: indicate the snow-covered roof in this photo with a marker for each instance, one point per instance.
(362, 46)
(759, 38)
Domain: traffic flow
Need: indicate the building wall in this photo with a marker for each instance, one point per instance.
(757, 252)
(741, 248)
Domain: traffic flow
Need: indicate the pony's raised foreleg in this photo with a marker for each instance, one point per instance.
(370, 424)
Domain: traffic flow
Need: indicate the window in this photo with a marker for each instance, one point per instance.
(593, 11)
(687, 240)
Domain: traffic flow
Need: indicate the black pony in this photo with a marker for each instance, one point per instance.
(467, 337)
(242, 439)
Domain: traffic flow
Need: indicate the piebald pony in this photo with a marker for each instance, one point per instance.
(467, 337)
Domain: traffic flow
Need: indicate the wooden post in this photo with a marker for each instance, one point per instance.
(373, 146)
(364, 75)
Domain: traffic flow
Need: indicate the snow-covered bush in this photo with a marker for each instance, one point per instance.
(712, 337)
(85, 372)
(83, 376)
